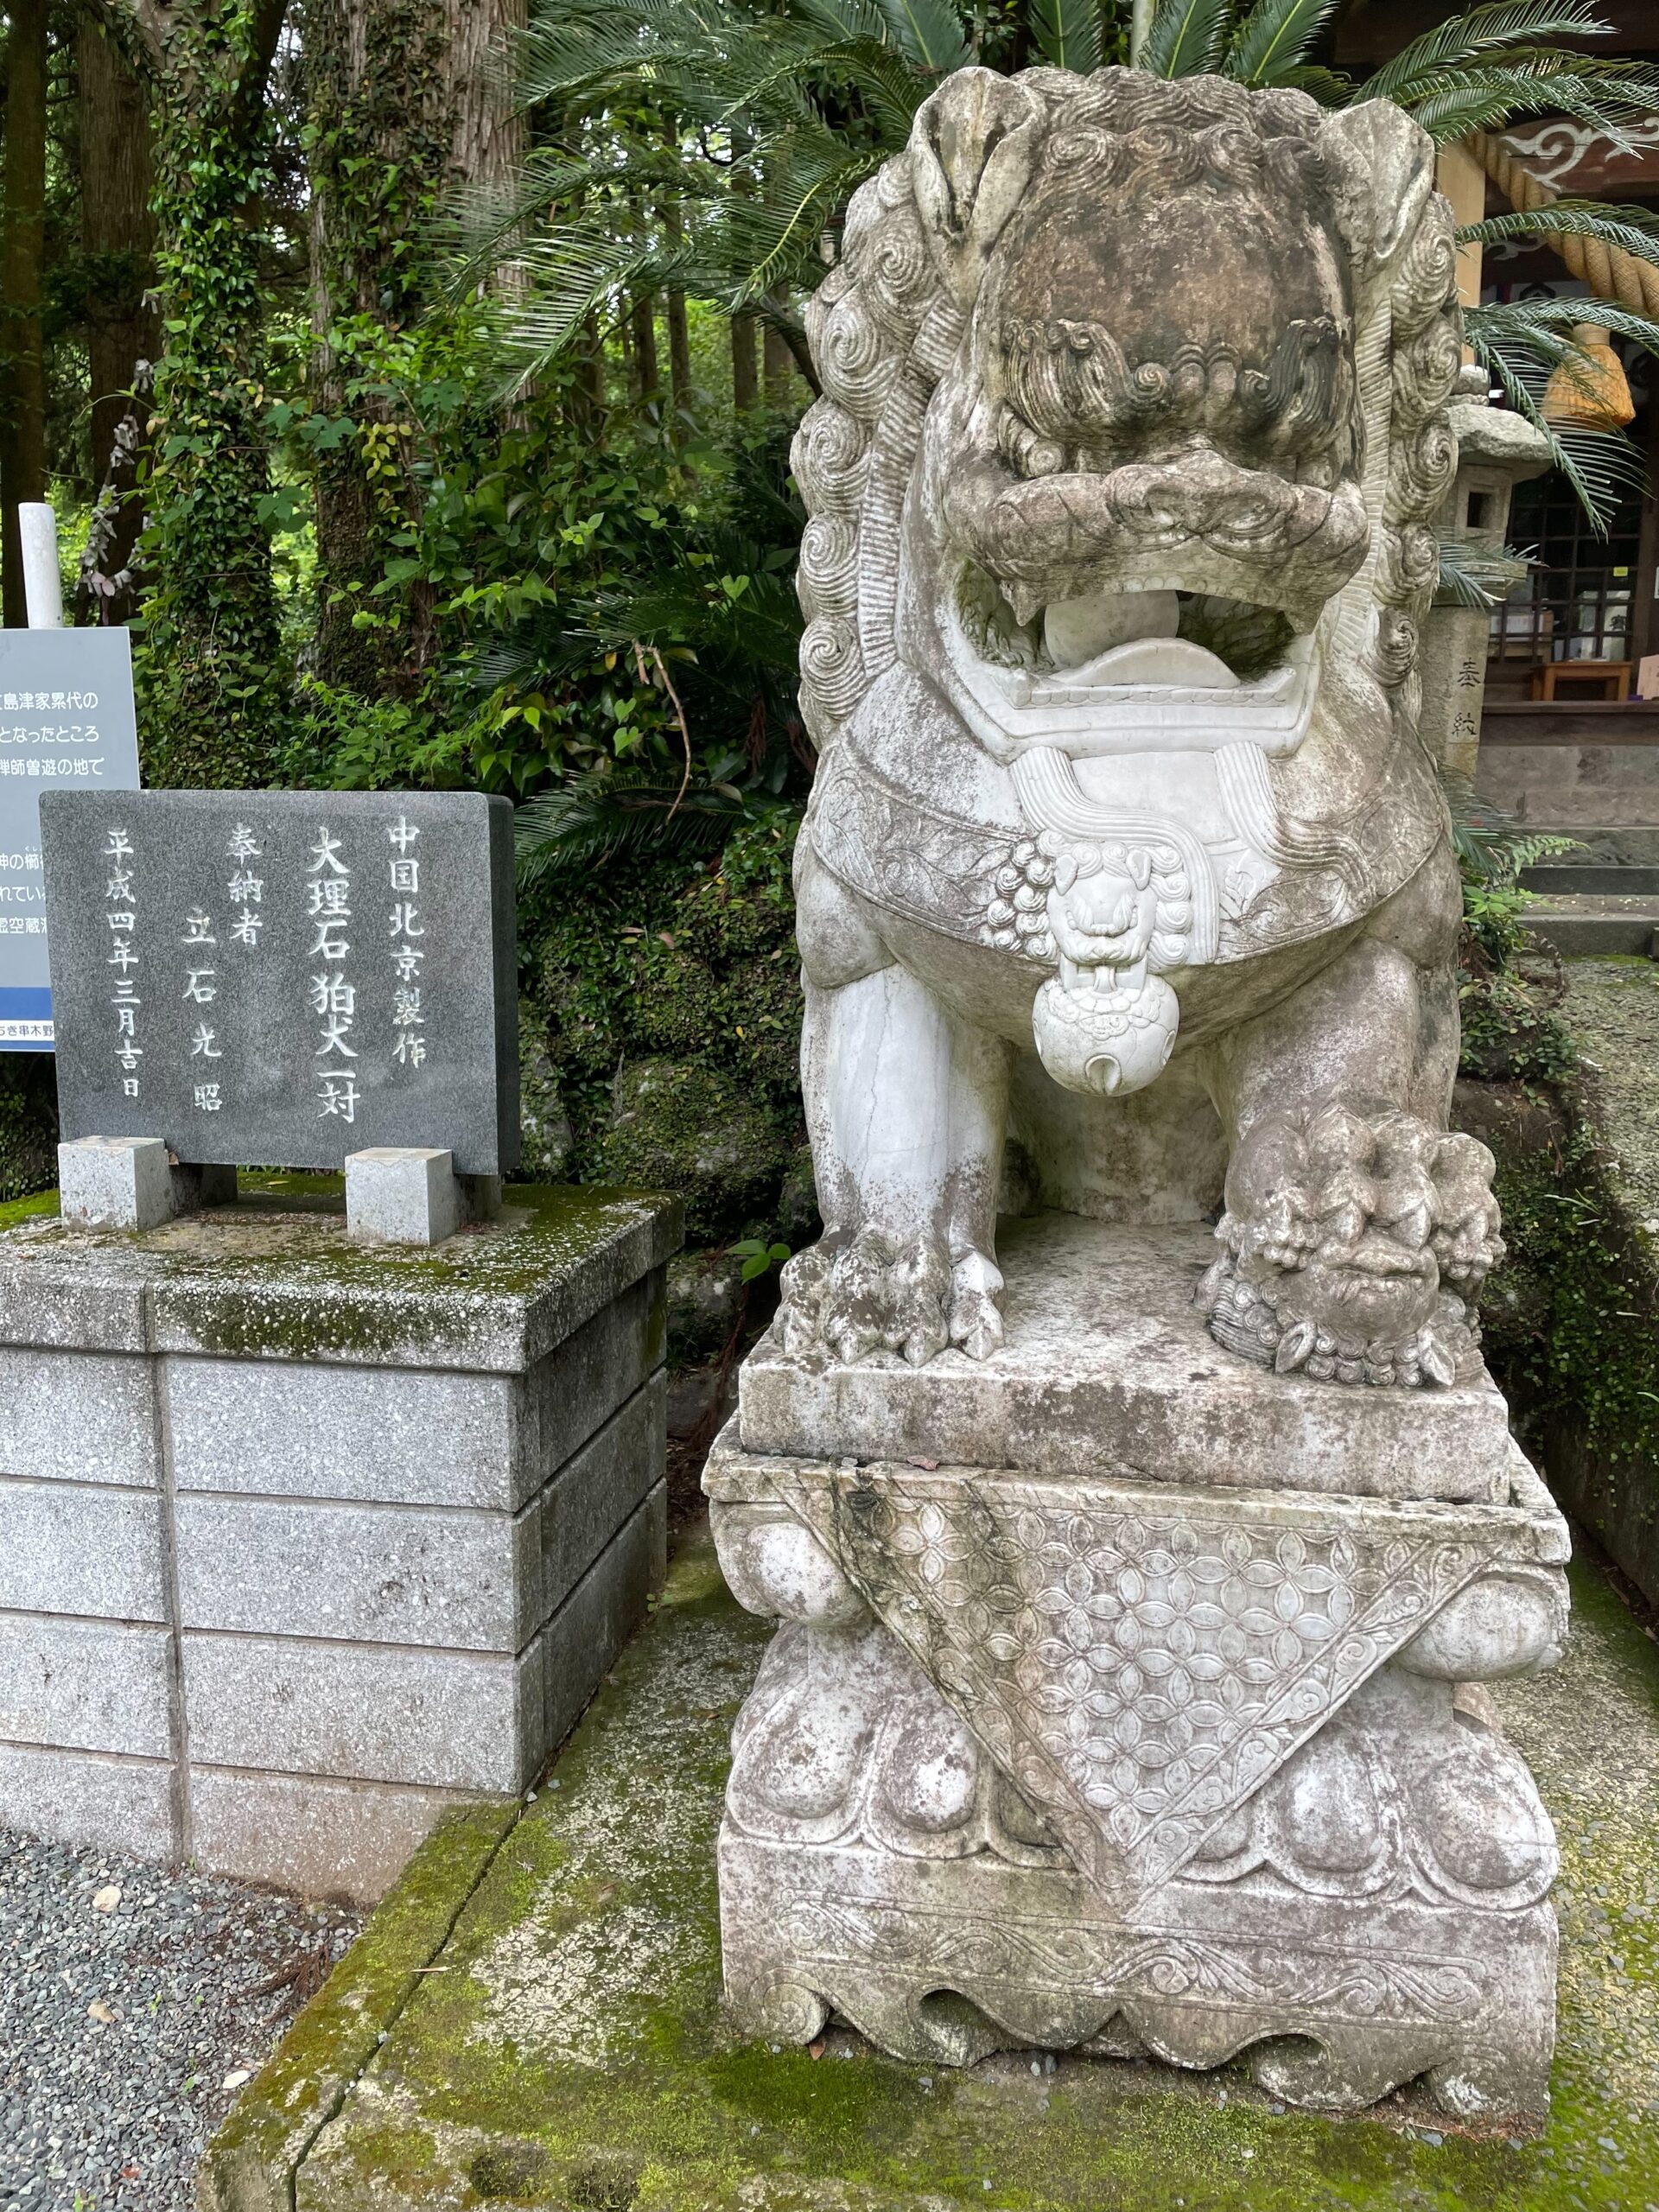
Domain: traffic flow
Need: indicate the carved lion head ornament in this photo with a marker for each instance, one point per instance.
(1133, 423)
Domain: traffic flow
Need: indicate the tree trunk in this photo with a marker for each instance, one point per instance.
(679, 362)
(487, 136)
(406, 98)
(679, 331)
(118, 237)
(588, 393)
(210, 665)
(779, 363)
(648, 379)
(746, 383)
(22, 221)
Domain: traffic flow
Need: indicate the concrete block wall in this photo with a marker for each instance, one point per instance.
(296, 1546)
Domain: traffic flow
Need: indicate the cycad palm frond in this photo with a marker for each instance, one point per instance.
(577, 269)
(844, 19)
(618, 809)
(1069, 33)
(1633, 230)
(1475, 574)
(1477, 32)
(1604, 95)
(928, 33)
(1518, 343)
(764, 237)
(1546, 326)
(601, 42)
(1269, 46)
(1489, 842)
(1187, 37)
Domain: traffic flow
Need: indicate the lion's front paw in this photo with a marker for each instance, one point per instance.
(879, 1292)
(1346, 1222)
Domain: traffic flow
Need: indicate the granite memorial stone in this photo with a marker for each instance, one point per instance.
(285, 978)
(1138, 1596)
(65, 723)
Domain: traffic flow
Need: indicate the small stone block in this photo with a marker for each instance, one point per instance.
(402, 1194)
(318, 1837)
(89, 1797)
(69, 1547)
(115, 1183)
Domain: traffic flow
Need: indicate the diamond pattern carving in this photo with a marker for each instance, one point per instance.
(1140, 1661)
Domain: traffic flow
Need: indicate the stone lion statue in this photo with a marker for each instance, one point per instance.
(1126, 879)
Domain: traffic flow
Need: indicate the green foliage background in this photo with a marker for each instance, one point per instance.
(425, 509)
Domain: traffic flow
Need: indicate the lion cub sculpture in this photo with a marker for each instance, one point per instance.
(1126, 871)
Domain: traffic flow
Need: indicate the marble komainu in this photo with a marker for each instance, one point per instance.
(1125, 865)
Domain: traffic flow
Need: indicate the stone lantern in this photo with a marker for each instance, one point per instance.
(1497, 449)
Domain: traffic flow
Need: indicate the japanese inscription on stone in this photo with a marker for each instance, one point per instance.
(65, 721)
(280, 978)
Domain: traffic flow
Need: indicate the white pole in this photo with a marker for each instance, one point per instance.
(1140, 30)
(37, 531)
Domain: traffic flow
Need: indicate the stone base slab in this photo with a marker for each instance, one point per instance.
(1373, 1992)
(576, 2050)
(1108, 1369)
(360, 1539)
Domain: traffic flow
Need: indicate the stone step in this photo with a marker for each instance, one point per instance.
(1623, 844)
(1598, 878)
(1589, 923)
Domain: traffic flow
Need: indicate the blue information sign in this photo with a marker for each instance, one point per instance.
(67, 723)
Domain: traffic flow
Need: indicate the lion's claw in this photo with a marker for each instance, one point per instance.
(879, 1292)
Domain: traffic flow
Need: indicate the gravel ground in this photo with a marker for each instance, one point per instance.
(128, 2021)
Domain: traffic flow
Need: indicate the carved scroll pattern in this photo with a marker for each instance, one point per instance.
(1137, 1673)
(910, 859)
(1126, 1963)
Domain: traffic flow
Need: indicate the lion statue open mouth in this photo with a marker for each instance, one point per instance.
(1125, 869)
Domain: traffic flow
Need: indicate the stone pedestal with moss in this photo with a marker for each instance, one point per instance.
(302, 1539)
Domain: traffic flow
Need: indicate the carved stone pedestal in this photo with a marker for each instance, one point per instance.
(1086, 1759)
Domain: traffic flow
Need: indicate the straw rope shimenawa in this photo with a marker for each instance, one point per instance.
(1610, 273)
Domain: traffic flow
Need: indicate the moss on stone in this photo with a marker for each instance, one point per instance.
(1572, 1315)
(247, 2166)
(42, 1206)
(692, 968)
(278, 1277)
(681, 1126)
(577, 2043)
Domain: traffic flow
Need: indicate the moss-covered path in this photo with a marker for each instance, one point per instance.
(564, 2046)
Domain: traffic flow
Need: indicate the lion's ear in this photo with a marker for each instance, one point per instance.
(971, 150)
(1387, 164)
